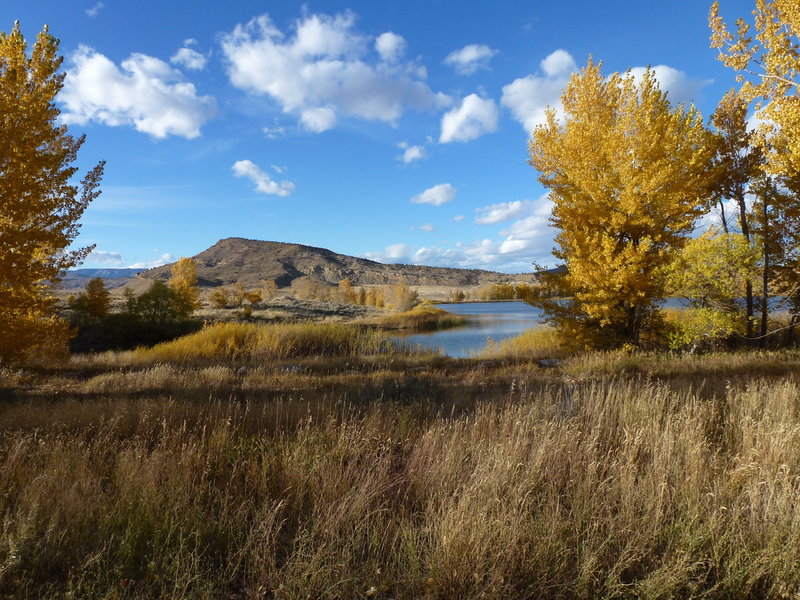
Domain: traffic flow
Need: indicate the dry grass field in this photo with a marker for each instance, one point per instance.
(318, 462)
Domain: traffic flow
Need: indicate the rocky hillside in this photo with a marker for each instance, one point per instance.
(251, 262)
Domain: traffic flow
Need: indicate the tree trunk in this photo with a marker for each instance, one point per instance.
(745, 227)
(765, 276)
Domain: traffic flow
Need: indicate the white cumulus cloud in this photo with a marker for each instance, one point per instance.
(326, 65)
(427, 227)
(189, 58)
(144, 92)
(264, 183)
(390, 46)
(318, 119)
(528, 97)
(473, 118)
(503, 211)
(436, 195)
(524, 241)
(470, 58)
(410, 152)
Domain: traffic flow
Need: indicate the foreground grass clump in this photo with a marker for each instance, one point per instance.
(604, 488)
(535, 343)
(251, 342)
(423, 317)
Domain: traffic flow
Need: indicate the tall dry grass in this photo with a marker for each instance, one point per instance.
(533, 344)
(255, 342)
(608, 488)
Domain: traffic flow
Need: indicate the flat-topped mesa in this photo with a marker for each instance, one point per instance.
(251, 262)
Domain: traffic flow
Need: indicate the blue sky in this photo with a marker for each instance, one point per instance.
(392, 130)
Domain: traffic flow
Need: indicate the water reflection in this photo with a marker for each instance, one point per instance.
(486, 320)
(498, 321)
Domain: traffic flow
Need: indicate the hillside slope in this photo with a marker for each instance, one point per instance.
(251, 262)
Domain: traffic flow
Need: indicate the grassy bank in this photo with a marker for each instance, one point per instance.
(401, 476)
(423, 317)
(249, 342)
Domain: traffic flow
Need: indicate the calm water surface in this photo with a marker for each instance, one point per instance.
(496, 321)
(485, 320)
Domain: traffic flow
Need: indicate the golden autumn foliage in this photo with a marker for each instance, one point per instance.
(628, 174)
(183, 284)
(739, 162)
(768, 64)
(219, 297)
(39, 204)
(94, 303)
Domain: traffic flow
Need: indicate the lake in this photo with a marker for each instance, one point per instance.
(495, 320)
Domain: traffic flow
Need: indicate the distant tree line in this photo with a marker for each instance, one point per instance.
(159, 314)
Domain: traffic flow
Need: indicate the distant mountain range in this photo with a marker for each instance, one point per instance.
(104, 273)
(76, 279)
(251, 262)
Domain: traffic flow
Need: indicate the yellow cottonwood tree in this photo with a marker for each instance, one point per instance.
(739, 162)
(768, 66)
(183, 284)
(628, 174)
(39, 205)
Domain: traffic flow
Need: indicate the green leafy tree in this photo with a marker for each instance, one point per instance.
(158, 305)
(39, 204)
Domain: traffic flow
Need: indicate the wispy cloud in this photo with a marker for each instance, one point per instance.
(92, 12)
(105, 257)
(161, 260)
(264, 183)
